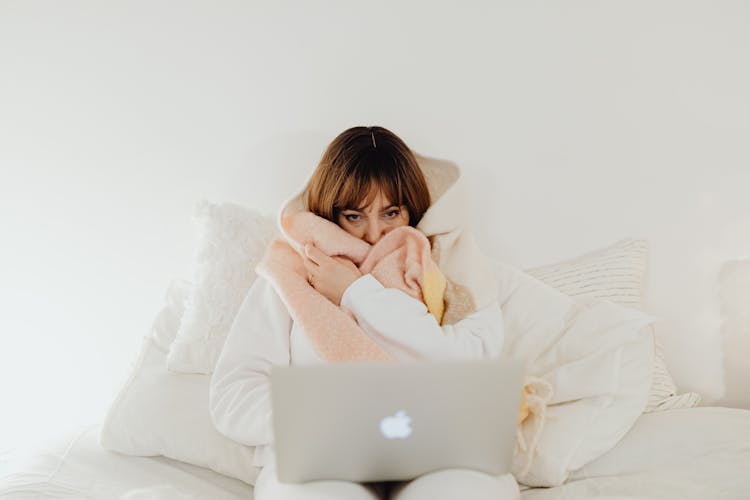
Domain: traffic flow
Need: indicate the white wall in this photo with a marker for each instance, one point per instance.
(577, 123)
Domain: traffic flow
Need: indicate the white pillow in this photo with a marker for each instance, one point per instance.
(613, 273)
(158, 412)
(617, 273)
(734, 296)
(231, 241)
(596, 355)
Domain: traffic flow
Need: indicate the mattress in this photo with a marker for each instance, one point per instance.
(691, 453)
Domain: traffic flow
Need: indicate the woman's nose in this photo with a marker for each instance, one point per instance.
(374, 232)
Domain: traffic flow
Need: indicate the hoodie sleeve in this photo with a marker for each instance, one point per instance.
(402, 325)
(240, 390)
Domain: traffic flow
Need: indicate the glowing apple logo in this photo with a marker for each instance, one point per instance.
(397, 426)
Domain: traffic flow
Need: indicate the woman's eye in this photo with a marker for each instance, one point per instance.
(356, 217)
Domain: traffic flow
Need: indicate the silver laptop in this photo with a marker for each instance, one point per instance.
(394, 421)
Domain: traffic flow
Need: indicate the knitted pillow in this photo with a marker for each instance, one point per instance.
(616, 273)
(231, 241)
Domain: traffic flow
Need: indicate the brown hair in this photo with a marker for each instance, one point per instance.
(355, 160)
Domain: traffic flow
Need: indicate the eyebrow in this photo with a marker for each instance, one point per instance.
(384, 210)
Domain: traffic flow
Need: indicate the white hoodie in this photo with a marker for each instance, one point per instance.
(263, 334)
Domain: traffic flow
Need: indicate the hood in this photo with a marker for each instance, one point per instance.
(446, 214)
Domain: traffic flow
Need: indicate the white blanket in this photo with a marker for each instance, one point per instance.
(595, 355)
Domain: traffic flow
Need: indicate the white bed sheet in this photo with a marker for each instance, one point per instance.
(696, 453)
(76, 466)
(693, 453)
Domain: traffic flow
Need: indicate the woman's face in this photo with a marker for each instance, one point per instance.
(373, 221)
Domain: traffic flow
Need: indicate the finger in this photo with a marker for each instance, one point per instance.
(316, 254)
(309, 264)
(346, 262)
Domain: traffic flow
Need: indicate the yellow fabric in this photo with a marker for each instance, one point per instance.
(433, 293)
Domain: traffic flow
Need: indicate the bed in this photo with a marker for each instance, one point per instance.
(683, 452)
(699, 453)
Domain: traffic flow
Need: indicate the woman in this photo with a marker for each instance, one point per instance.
(368, 182)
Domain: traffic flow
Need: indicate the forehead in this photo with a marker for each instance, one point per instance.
(379, 202)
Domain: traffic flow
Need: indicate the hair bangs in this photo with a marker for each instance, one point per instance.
(372, 170)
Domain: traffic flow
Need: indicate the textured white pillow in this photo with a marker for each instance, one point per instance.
(612, 273)
(616, 273)
(158, 412)
(231, 241)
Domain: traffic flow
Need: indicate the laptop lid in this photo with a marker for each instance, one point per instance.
(394, 421)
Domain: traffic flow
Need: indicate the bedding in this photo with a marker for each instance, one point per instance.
(76, 467)
(163, 432)
(695, 453)
(598, 358)
(617, 273)
(596, 354)
(231, 240)
(159, 412)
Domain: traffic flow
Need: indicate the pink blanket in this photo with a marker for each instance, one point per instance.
(400, 259)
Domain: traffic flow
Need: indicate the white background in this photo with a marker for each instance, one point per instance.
(577, 123)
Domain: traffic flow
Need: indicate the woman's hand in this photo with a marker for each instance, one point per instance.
(331, 276)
